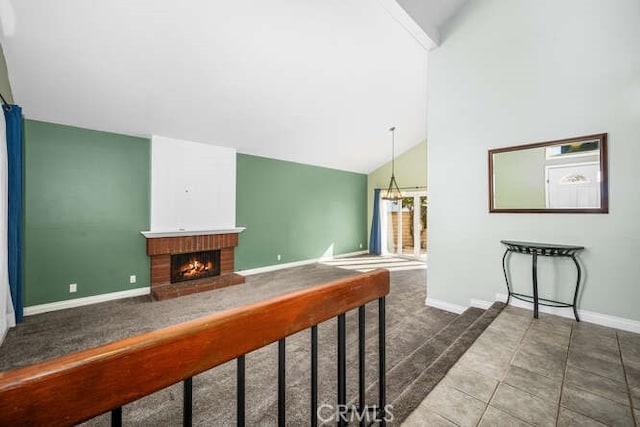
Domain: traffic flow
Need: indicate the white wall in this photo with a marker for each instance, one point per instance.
(517, 71)
(193, 185)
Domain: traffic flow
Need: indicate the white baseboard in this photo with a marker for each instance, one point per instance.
(446, 306)
(78, 302)
(585, 316)
(480, 304)
(275, 267)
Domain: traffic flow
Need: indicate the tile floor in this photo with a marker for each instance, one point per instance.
(549, 371)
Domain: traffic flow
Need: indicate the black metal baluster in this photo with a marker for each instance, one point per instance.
(240, 392)
(361, 367)
(382, 393)
(116, 417)
(187, 402)
(281, 383)
(342, 369)
(314, 376)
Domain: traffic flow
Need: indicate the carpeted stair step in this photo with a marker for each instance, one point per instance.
(405, 372)
(407, 369)
(422, 384)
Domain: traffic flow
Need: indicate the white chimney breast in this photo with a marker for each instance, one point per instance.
(193, 185)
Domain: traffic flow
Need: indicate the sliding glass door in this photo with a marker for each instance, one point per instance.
(405, 225)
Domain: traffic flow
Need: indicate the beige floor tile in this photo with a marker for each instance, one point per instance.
(635, 396)
(631, 338)
(552, 324)
(510, 323)
(544, 337)
(630, 359)
(630, 346)
(633, 375)
(454, 405)
(543, 387)
(590, 333)
(545, 349)
(496, 336)
(423, 417)
(569, 418)
(593, 329)
(518, 311)
(488, 359)
(487, 365)
(605, 368)
(488, 343)
(596, 384)
(471, 382)
(558, 321)
(494, 417)
(519, 365)
(552, 368)
(596, 407)
(524, 406)
(597, 350)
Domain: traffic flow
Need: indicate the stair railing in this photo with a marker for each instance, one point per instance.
(79, 386)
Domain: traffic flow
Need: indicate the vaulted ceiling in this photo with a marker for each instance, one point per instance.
(316, 82)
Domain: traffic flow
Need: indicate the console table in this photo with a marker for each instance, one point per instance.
(543, 249)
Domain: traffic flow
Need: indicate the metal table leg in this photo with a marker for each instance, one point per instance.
(506, 278)
(575, 295)
(534, 266)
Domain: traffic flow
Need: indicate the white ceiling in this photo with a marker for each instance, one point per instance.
(316, 82)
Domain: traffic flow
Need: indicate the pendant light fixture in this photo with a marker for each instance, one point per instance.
(393, 192)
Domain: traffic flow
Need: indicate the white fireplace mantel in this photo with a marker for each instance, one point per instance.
(178, 233)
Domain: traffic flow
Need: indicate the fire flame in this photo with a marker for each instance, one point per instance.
(195, 268)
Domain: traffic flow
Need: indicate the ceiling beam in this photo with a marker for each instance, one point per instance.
(428, 36)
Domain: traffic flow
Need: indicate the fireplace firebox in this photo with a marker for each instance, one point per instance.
(195, 265)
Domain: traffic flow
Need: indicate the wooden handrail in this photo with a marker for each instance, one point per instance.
(76, 387)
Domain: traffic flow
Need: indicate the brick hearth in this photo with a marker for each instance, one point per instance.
(160, 250)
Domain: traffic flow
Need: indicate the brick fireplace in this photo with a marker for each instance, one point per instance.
(184, 262)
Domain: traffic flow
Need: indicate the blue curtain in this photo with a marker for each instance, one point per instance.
(375, 240)
(13, 118)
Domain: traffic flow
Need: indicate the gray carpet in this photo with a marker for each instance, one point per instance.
(409, 325)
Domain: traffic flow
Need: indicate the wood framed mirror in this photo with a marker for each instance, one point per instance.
(563, 176)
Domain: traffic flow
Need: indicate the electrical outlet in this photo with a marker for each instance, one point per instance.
(279, 257)
(132, 278)
(360, 245)
(73, 287)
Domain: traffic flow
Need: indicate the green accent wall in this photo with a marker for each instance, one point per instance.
(5, 87)
(298, 211)
(86, 201)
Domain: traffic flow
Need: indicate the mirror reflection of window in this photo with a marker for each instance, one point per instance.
(579, 149)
